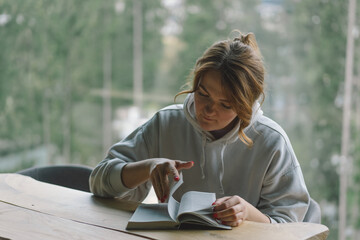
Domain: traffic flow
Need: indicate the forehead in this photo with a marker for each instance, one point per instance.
(211, 82)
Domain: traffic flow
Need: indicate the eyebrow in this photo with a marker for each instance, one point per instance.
(204, 88)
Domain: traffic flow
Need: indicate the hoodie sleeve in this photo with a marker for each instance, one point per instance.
(284, 196)
(105, 180)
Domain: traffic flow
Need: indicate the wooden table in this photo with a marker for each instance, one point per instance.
(30, 209)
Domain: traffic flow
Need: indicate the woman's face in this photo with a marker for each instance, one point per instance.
(213, 111)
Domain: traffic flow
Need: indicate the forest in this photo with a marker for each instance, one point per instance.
(78, 76)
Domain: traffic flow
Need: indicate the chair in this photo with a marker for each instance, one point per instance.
(71, 176)
(313, 214)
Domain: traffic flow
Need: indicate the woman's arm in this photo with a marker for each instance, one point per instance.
(155, 169)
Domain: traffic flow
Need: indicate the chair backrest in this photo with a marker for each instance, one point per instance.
(71, 176)
(313, 214)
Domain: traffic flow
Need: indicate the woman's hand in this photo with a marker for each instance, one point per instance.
(160, 169)
(232, 211)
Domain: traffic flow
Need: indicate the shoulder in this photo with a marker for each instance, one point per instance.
(166, 116)
(174, 107)
(170, 112)
(272, 142)
(269, 130)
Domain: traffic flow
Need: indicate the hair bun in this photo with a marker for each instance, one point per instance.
(249, 40)
(243, 38)
(237, 39)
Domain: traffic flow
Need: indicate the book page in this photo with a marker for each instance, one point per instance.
(194, 201)
(151, 216)
(173, 205)
(151, 212)
(196, 207)
(201, 219)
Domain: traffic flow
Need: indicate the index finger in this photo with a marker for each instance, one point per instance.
(225, 203)
(183, 165)
(172, 170)
(219, 201)
(179, 165)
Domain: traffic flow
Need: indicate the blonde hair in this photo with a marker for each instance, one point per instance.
(240, 64)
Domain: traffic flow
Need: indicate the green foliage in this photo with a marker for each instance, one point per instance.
(53, 58)
(318, 30)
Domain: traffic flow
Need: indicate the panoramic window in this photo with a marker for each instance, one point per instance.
(78, 76)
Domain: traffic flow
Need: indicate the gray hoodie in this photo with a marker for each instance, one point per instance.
(267, 175)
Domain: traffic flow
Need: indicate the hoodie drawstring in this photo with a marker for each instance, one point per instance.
(221, 173)
(202, 161)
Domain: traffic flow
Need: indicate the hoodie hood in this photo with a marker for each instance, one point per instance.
(207, 137)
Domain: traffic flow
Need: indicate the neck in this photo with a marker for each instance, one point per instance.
(222, 132)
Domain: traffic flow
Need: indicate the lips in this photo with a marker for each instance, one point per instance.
(207, 119)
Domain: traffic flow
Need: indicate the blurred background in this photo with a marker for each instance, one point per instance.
(78, 76)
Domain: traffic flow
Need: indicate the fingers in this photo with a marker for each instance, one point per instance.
(174, 172)
(232, 223)
(179, 165)
(156, 182)
(160, 181)
(183, 165)
(159, 175)
(218, 203)
(230, 210)
(159, 178)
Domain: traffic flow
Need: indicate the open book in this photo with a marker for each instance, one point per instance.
(193, 210)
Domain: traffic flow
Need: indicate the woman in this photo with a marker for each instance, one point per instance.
(221, 142)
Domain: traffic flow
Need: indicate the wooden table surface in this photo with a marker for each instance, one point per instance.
(30, 209)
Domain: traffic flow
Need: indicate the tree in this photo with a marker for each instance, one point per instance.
(52, 61)
(318, 30)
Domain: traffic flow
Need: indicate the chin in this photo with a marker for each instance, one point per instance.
(207, 127)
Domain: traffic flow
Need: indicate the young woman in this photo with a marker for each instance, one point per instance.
(219, 139)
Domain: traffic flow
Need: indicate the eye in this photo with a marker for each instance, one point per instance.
(202, 94)
(226, 106)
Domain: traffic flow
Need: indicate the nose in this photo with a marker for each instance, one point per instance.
(209, 108)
